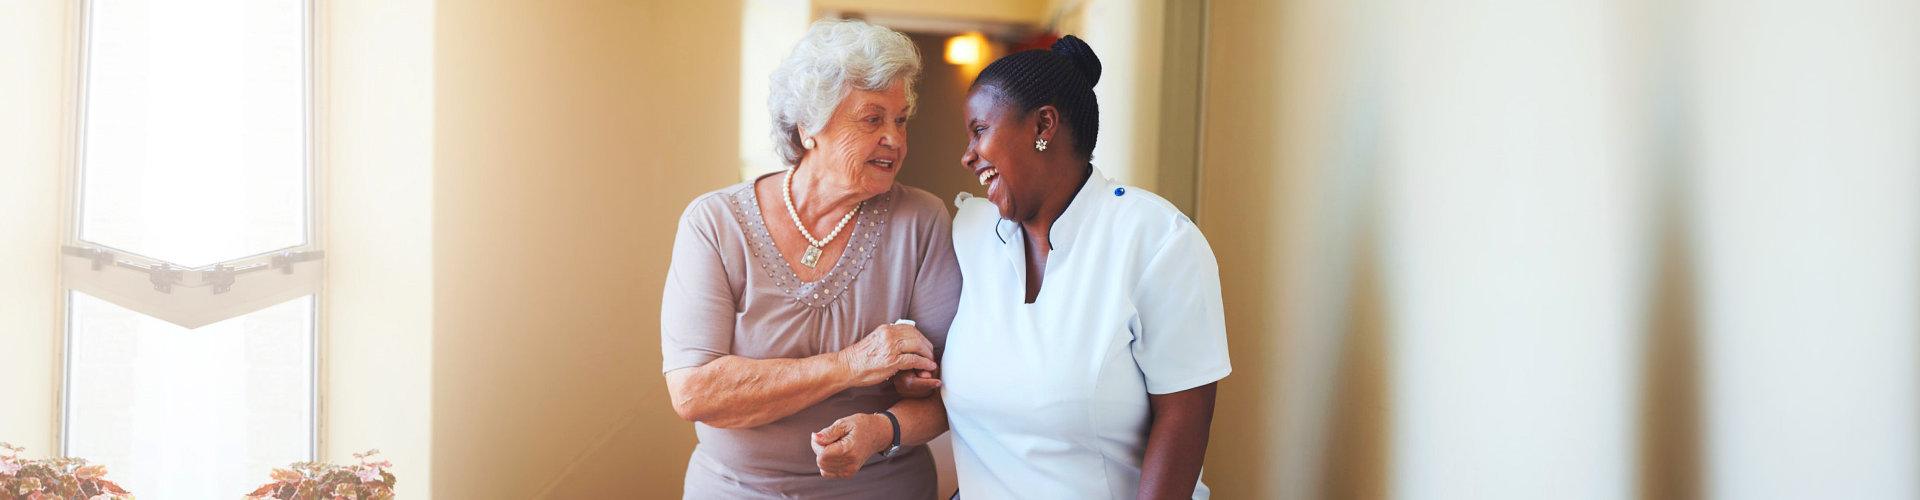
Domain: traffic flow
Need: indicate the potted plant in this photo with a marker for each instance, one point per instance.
(58, 478)
(367, 480)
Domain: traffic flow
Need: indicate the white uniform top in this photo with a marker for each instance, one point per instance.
(1049, 400)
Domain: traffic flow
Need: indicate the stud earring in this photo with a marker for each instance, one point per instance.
(1039, 144)
(807, 143)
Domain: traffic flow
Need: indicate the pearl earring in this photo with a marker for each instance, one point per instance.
(807, 143)
(1039, 144)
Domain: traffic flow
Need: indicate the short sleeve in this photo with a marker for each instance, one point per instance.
(936, 285)
(698, 308)
(1180, 334)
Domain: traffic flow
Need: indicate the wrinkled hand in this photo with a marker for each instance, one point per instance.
(841, 448)
(915, 383)
(886, 351)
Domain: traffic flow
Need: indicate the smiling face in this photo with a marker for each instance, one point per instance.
(860, 149)
(1001, 154)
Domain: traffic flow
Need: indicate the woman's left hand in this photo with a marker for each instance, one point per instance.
(841, 448)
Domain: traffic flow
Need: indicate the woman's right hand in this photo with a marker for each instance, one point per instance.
(886, 351)
(916, 383)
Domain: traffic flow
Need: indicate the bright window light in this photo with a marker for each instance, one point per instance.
(194, 146)
(193, 150)
(178, 413)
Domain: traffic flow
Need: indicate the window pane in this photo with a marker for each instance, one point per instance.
(195, 131)
(177, 413)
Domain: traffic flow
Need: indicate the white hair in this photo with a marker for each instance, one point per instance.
(834, 55)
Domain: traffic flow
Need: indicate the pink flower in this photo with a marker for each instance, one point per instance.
(9, 467)
(368, 474)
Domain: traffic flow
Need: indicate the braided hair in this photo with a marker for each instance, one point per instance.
(1063, 77)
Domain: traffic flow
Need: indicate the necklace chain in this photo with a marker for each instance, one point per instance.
(786, 192)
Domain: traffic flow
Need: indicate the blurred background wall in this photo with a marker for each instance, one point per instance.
(1472, 249)
(32, 147)
(1569, 250)
(567, 141)
(378, 313)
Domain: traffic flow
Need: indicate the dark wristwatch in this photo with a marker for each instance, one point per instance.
(894, 449)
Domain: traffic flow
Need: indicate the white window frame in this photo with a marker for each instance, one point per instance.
(192, 296)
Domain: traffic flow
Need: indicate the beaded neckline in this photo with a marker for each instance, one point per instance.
(861, 245)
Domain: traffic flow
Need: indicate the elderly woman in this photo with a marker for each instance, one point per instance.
(1090, 334)
(781, 323)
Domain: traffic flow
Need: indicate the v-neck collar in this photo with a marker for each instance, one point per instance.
(1065, 229)
(1062, 235)
(864, 241)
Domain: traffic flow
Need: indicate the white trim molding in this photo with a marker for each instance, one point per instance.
(191, 297)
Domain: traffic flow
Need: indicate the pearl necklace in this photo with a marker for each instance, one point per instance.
(811, 258)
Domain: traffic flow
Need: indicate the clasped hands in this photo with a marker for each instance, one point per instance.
(898, 353)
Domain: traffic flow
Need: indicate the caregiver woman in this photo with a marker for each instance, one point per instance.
(777, 317)
(1083, 360)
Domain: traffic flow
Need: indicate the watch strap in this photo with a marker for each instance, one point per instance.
(893, 449)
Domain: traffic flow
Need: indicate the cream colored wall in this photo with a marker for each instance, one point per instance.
(1010, 11)
(1278, 202)
(1151, 56)
(768, 30)
(35, 37)
(1243, 224)
(1127, 35)
(567, 142)
(377, 305)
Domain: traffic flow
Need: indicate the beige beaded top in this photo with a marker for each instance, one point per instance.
(730, 292)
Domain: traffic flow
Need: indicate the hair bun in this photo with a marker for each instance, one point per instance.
(1081, 54)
